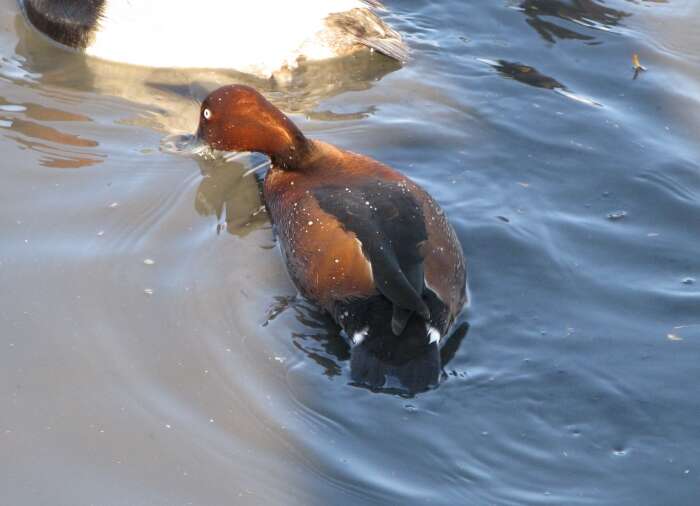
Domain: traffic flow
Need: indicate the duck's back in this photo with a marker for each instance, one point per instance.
(255, 36)
(359, 237)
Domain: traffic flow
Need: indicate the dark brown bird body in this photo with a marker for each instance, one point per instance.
(359, 238)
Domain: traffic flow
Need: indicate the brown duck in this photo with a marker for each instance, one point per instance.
(360, 239)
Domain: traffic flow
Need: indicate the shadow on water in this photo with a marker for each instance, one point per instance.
(587, 13)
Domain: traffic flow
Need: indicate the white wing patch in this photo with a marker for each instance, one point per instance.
(358, 243)
(433, 334)
(359, 336)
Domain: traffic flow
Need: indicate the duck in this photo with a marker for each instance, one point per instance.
(360, 239)
(259, 37)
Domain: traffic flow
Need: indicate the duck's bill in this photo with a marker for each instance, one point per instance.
(194, 145)
(185, 144)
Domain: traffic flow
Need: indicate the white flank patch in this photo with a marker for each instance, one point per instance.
(433, 334)
(358, 243)
(256, 37)
(360, 336)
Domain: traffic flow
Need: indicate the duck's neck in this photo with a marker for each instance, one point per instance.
(291, 154)
(287, 146)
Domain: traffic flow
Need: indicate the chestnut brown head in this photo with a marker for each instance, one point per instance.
(238, 118)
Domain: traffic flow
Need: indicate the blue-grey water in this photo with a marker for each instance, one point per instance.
(152, 349)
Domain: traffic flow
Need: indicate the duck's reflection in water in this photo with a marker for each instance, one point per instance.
(391, 365)
(232, 196)
(587, 13)
(320, 339)
(58, 149)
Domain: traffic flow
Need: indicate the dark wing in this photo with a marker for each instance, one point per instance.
(389, 223)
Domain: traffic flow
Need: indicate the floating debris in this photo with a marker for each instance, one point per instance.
(532, 77)
(149, 261)
(638, 67)
(674, 334)
(617, 215)
(523, 73)
(688, 281)
(148, 291)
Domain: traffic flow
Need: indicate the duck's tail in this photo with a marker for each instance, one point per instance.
(410, 362)
(372, 319)
(363, 26)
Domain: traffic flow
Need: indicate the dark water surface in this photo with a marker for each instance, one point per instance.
(152, 351)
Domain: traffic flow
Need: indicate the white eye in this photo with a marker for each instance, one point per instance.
(206, 113)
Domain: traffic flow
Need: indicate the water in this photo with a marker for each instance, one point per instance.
(152, 349)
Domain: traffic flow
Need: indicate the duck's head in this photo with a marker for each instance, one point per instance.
(238, 118)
